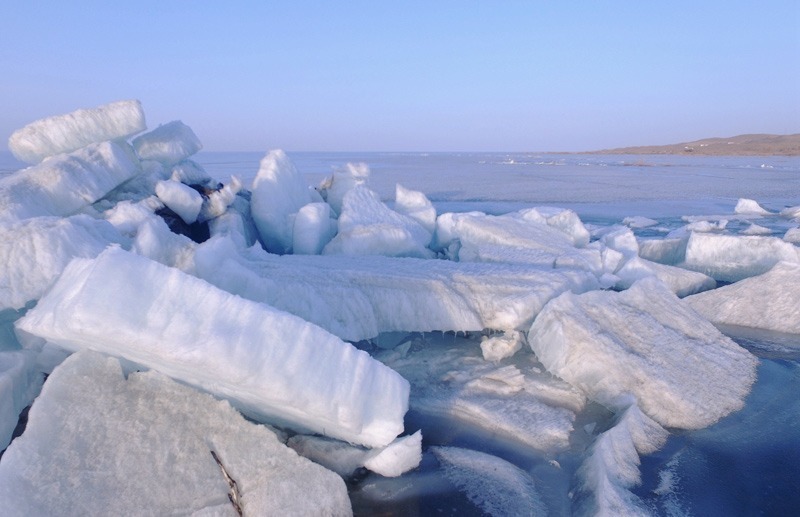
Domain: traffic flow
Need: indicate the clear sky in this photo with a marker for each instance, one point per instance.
(412, 75)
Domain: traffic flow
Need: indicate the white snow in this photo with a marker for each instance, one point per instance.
(66, 133)
(750, 207)
(492, 484)
(680, 281)
(64, 184)
(279, 193)
(35, 251)
(357, 298)
(731, 258)
(20, 382)
(792, 235)
(181, 199)
(100, 444)
(270, 364)
(755, 229)
(368, 227)
(335, 187)
(769, 301)
(167, 144)
(644, 341)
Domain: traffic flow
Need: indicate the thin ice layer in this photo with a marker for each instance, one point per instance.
(35, 251)
(66, 183)
(66, 133)
(359, 297)
(270, 364)
(646, 342)
(769, 301)
(150, 453)
(492, 484)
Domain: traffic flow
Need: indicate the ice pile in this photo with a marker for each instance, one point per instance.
(100, 444)
(132, 257)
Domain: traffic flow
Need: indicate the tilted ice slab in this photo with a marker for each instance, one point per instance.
(416, 206)
(66, 183)
(514, 399)
(368, 227)
(168, 144)
(20, 381)
(732, 258)
(646, 342)
(270, 364)
(278, 193)
(35, 251)
(100, 444)
(612, 465)
(181, 199)
(750, 207)
(359, 297)
(682, 282)
(66, 133)
(769, 301)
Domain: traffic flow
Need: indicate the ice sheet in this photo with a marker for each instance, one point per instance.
(359, 297)
(768, 301)
(272, 365)
(150, 453)
(646, 342)
(66, 183)
(66, 133)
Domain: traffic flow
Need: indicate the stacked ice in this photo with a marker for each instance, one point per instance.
(298, 306)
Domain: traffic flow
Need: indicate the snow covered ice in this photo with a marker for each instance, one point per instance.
(150, 452)
(66, 133)
(545, 341)
(268, 363)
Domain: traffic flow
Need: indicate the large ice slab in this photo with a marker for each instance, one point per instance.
(66, 183)
(731, 258)
(66, 133)
(168, 144)
(181, 199)
(645, 342)
(100, 444)
(368, 227)
(35, 251)
(20, 381)
(769, 301)
(682, 282)
(270, 364)
(278, 193)
(359, 297)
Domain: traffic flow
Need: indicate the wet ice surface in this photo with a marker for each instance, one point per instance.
(540, 431)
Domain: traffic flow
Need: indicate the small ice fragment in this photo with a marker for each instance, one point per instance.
(181, 199)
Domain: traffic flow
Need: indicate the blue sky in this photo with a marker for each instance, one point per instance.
(414, 76)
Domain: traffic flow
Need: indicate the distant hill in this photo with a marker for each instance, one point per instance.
(742, 145)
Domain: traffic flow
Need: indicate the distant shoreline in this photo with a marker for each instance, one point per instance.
(741, 145)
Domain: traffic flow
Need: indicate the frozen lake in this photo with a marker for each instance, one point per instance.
(747, 463)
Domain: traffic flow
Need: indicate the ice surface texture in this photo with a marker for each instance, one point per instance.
(98, 444)
(66, 183)
(20, 382)
(770, 301)
(645, 342)
(66, 133)
(268, 363)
